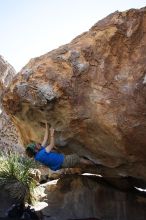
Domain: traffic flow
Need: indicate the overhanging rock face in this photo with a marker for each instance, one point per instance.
(92, 91)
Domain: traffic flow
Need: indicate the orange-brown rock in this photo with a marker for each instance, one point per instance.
(92, 91)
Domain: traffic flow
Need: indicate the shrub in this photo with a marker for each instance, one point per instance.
(15, 176)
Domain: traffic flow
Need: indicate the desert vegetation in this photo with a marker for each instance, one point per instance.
(15, 176)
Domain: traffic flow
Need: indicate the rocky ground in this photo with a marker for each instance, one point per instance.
(84, 197)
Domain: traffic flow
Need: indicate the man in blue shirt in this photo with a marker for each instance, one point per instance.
(44, 154)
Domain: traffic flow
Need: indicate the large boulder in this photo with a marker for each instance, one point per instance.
(92, 91)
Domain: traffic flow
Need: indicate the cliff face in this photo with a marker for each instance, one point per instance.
(92, 91)
(7, 72)
(9, 137)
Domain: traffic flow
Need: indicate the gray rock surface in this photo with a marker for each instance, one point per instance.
(9, 137)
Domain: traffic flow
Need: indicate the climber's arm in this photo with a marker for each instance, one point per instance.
(52, 141)
(44, 143)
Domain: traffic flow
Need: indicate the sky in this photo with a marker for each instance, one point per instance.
(30, 28)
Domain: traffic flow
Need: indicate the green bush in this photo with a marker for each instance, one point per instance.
(15, 176)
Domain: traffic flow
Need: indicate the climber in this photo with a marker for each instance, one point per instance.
(46, 155)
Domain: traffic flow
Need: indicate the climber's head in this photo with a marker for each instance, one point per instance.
(32, 149)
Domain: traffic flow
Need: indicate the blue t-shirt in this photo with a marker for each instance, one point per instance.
(52, 160)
